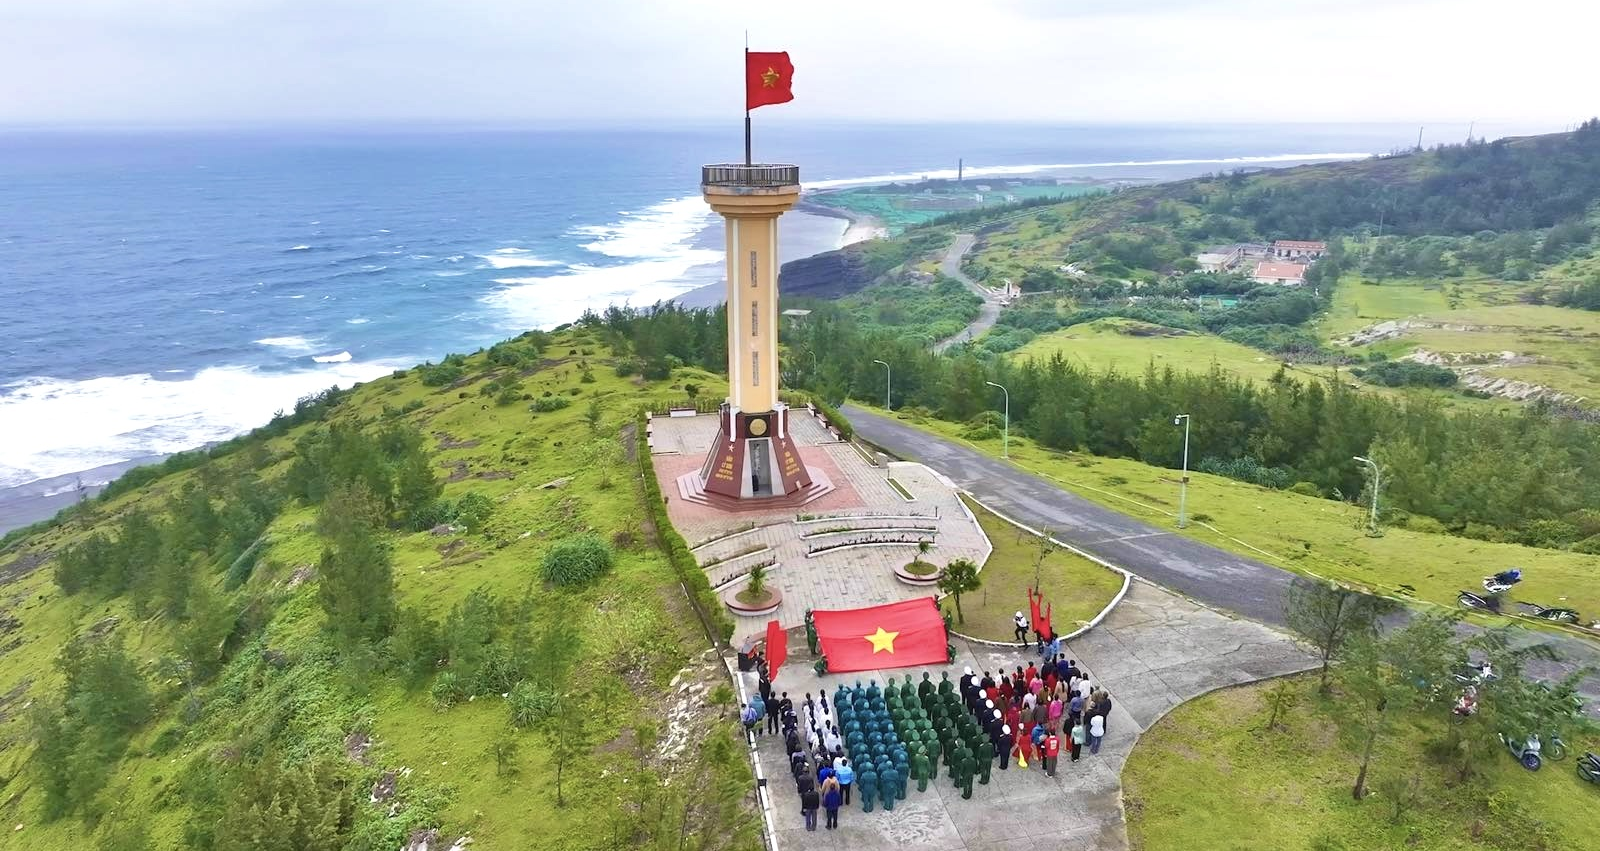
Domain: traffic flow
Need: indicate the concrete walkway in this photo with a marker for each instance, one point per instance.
(1213, 576)
(1153, 652)
(988, 313)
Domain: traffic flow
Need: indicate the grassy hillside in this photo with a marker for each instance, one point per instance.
(279, 713)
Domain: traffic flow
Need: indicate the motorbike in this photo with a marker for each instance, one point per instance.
(1482, 602)
(1526, 752)
(1589, 768)
(1502, 581)
(1556, 614)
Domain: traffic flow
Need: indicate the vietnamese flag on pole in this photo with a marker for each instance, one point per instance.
(777, 648)
(768, 79)
(898, 635)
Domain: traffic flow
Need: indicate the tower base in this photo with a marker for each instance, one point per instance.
(754, 456)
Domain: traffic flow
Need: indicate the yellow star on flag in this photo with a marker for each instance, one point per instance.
(769, 79)
(882, 640)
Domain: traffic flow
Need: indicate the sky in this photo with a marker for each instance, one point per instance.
(515, 61)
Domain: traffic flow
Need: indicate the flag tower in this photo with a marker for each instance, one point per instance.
(754, 456)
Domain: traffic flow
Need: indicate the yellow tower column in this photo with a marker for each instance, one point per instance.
(754, 457)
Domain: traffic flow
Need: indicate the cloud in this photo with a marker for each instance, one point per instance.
(631, 60)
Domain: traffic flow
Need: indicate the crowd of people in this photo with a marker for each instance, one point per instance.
(873, 741)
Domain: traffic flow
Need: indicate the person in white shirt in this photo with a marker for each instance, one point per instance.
(1084, 687)
(1019, 626)
(1097, 732)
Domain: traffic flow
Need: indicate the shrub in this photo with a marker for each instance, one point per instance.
(1305, 489)
(1406, 374)
(577, 560)
(547, 404)
(1588, 546)
(446, 690)
(1547, 533)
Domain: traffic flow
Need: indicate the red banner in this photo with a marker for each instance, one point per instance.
(768, 79)
(898, 635)
(777, 648)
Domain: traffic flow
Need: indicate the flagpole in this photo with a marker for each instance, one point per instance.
(747, 100)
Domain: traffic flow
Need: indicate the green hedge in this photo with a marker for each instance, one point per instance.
(796, 399)
(713, 615)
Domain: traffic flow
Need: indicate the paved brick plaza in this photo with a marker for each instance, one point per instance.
(862, 576)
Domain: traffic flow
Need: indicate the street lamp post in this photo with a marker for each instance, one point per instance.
(1377, 481)
(1005, 435)
(1183, 483)
(888, 386)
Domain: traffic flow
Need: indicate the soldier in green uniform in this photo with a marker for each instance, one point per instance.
(919, 767)
(969, 765)
(925, 687)
(985, 761)
(945, 686)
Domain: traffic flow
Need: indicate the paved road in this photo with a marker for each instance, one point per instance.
(1213, 576)
(988, 313)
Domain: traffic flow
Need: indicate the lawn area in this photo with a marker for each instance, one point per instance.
(1210, 775)
(1129, 345)
(1357, 305)
(1304, 534)
(1076, 587)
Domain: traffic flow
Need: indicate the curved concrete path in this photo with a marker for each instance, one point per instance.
(1213, 576)
(988, 313)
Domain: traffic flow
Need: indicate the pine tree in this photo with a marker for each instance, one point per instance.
(357, 585)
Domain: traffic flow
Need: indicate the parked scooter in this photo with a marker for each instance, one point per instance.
(1557, 614)
(1482, 602)
(1589, 768)
(1502, 581)
(1527, 752)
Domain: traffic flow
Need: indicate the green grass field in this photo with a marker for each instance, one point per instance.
(1076, 588)
(1210, 775)
(634, 630)
(1302, 533)
(1128, 346)
(1485, 317)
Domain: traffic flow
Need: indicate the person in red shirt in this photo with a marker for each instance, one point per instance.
(1005, 689)
(1013, 717)
(1031, 673)
(1052, 749)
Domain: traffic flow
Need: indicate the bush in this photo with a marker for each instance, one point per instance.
(547, 404)
(1588, 546)
(1305, 489)
(577, 560)
(1547, 533)
(1406, 374)
(713, 615)
(447, 690)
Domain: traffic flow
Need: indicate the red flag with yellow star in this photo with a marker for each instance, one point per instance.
(898, 635)
(768, 79)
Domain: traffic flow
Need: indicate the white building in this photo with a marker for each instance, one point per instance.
(1282, 274)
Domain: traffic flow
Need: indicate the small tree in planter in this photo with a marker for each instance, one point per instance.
(755, 591)
(960, 577)
(919, 566)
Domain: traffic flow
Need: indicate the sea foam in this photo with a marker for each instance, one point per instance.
(515, 258)
(659, 240)
(294, 343)
(338, 357)
(52, 427)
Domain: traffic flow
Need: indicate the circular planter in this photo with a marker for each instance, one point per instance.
(918, 581)
(745, 610)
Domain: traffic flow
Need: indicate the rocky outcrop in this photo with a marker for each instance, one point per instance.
(831, 274)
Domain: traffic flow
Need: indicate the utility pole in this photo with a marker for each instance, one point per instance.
(1005, 436)
(1183, 483)
(1419, 137)
(888, 386)
(960, 168)
(1470, 128)
(1377, 481)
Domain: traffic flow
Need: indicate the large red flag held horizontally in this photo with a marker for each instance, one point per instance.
(898, 635)
(768, 79)
(777, 648)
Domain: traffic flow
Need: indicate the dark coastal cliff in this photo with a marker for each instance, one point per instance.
(831, 274)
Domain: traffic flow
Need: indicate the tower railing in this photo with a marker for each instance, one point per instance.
(760, 175)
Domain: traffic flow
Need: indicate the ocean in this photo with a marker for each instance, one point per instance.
(160, 290)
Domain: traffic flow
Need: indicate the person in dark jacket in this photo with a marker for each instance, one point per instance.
(831, 799)
(772, 712)
(809, 801)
